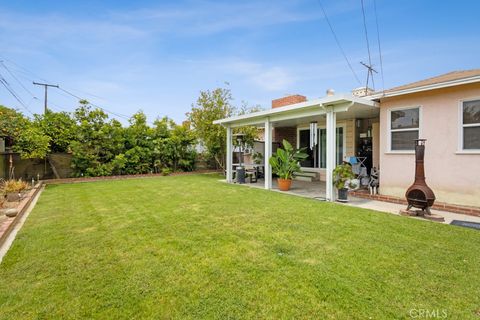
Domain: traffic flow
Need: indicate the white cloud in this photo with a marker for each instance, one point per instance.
(273, 79)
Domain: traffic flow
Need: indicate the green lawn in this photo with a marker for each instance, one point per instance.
(190, 247)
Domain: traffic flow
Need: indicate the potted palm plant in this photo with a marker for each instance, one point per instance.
(343, 176)
(285, 164)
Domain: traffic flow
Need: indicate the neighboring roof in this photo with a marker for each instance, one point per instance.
(445, 80)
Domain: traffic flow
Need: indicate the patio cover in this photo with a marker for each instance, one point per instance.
(342, 106)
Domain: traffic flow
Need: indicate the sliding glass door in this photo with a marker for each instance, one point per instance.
(317, 158)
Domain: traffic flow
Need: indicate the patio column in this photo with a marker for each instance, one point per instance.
(229, 155)
(268, 154)
(331, 127)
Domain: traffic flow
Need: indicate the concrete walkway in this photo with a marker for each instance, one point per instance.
(316, 190)
(395, 209)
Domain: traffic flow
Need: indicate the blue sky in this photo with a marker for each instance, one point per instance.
(157, 55)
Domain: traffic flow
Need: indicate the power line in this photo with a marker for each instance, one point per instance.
(27, 71)
(366, 33)
(379, 47)
(369, 67)
(338, 42)
(80, 98)
(16, 79)
(13, 93)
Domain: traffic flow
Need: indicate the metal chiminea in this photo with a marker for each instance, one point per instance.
(419, 195)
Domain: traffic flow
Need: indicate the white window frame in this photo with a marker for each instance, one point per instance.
(460, 148)
(389, 128)
(339, 125)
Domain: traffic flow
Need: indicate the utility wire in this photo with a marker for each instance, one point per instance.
(369, 72)
(114, 113)
(379, 47)
(16, 79)
(27, 71)
(13, 93)
(338, 42)
(366, 33)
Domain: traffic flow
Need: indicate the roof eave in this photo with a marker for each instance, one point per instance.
(321, 102)
(434, 86)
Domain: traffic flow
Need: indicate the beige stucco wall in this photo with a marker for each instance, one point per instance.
(454, 177)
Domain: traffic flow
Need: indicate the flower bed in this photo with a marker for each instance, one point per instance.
(8, 223)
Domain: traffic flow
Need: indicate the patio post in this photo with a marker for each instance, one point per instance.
(331, 127)
(229, 155)
(268, 154)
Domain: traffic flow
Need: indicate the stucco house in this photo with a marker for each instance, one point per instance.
(379, 128)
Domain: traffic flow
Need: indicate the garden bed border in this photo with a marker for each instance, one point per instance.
(126, 176)
(22, 208)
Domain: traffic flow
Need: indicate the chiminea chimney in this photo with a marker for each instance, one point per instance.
(419, 195)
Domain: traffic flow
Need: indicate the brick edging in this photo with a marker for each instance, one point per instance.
(472, 211)
(126, 176)
(23, 207)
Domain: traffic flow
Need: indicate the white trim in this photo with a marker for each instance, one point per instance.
(229, 157)
(298, 110)
(268, 154)
(330, 153)
(340, 124)
(472, 151)
(440, 85)
(389, 128)
(460, 125)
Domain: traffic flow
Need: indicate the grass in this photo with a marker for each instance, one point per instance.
(190, 247)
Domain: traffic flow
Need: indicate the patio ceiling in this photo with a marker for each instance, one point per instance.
(346, 106)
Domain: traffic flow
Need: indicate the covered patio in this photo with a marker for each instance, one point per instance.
(326, 112)
(305, 189)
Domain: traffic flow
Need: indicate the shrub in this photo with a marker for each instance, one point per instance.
(166, 171)
(12, 186)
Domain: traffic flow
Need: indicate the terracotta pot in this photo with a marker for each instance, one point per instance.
(284, 184)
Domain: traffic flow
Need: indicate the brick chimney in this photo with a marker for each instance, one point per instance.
(288, 100)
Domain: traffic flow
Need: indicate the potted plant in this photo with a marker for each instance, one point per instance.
(285, 164)
(343, 179)
(257, 158)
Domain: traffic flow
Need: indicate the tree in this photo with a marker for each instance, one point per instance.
(211, 106)
(174, 145)
(12, 123)
(22, 135)
(60, 127)
(32, 143)
(96, 141)
(138, 145)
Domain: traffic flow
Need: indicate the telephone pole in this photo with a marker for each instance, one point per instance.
(46, 85)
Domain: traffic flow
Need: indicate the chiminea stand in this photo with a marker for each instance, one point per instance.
(419, 195)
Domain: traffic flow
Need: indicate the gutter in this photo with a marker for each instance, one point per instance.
(440, 85)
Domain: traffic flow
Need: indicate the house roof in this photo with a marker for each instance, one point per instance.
(445, 80)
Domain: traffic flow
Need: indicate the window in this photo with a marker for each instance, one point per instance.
(317, 158)
(404, 128)
(470, 130)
